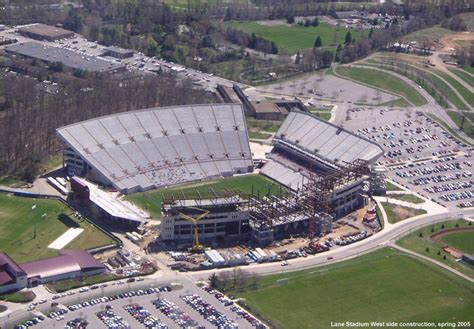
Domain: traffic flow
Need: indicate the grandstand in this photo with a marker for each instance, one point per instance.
(307, 148)
(158, 147)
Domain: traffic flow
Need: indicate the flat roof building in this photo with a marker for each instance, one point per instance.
(118, 52)
(67, 57)
(45, 32)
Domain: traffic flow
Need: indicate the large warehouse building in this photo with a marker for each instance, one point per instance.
(68, 58)
(45, 32)
(158, 147)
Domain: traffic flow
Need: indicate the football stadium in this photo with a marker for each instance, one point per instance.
(323, 169)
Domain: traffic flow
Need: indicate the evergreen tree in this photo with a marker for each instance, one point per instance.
(348, 39)
(318, 42)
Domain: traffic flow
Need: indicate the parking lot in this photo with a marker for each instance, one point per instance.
(160, 307)
(419, 153)
(138, 63)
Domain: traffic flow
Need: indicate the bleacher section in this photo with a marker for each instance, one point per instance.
(305, 145)
(325, 140)
(146, 149)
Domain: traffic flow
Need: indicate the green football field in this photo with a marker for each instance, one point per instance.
(385, 285)
(463, 241)
(17, 228)
(293, 38)
(151, 201)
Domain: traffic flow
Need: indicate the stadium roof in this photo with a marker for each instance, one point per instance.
(68, 57)
(157, 147)
(326, 140)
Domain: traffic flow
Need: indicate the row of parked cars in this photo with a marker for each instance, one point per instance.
(144, 316)
(112, 320)
(458, 196)
(209, 312)
(132, 293)
(172, 311)
(234, 308)
(449, 187)
(30, 323)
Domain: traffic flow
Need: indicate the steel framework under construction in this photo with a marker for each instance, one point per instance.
(313, 201)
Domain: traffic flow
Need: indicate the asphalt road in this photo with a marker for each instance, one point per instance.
(377, 241)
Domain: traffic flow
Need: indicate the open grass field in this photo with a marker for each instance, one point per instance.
(324, 115)
(428, 35)
(419, 244)
(396, 213)
(463, 75)
(467, 128)
(17, 228)
(392, 187)
(385, 285)
(151, 201)
(294, 37)
(469, 69)
(263, 125)
(466, 94)
(383, 81)
(401, 102)
(407, 197)
(463, 241)
(258, 135)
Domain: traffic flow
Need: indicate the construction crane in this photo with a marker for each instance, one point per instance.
(197, 247)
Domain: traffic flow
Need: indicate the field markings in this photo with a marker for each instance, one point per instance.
(65, 238)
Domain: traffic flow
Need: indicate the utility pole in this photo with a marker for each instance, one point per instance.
(34, 222)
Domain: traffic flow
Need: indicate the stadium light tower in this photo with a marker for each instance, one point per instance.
(197, 247)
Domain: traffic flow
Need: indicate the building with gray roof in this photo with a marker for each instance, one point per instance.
(159, 147)
(68, 58)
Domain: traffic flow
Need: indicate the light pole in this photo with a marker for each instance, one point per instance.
(34, 222)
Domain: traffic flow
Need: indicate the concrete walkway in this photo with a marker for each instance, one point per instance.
(446, 267)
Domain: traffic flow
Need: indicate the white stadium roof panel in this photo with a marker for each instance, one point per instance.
(325, 139)
(131, 150)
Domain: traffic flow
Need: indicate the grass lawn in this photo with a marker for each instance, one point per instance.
(428, 35)
(447, 91)
(64, 285)
(367, 288)
(17, 229)
(396, 213)
(151, 201)
(392, 187)
(382, 80)
(19, 297)
(467, 128)
(463, 75)
(324, 115)
(463, 241)
(407, 197)
(466, 94)
(11, 181)
(419, 244)
(258, 135)
(469, 69)
(401, 102)
(263, 125)
(293, 38)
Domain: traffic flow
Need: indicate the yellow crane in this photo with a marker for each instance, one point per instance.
(197, 247)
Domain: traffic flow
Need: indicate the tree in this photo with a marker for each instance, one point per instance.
(214, 281)
(420, 235)
(73, 21)
(348, 38)
(290, 19)
(315, 21)
(318, 43)
(274, 48)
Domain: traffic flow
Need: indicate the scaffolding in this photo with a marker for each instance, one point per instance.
(313, 201)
